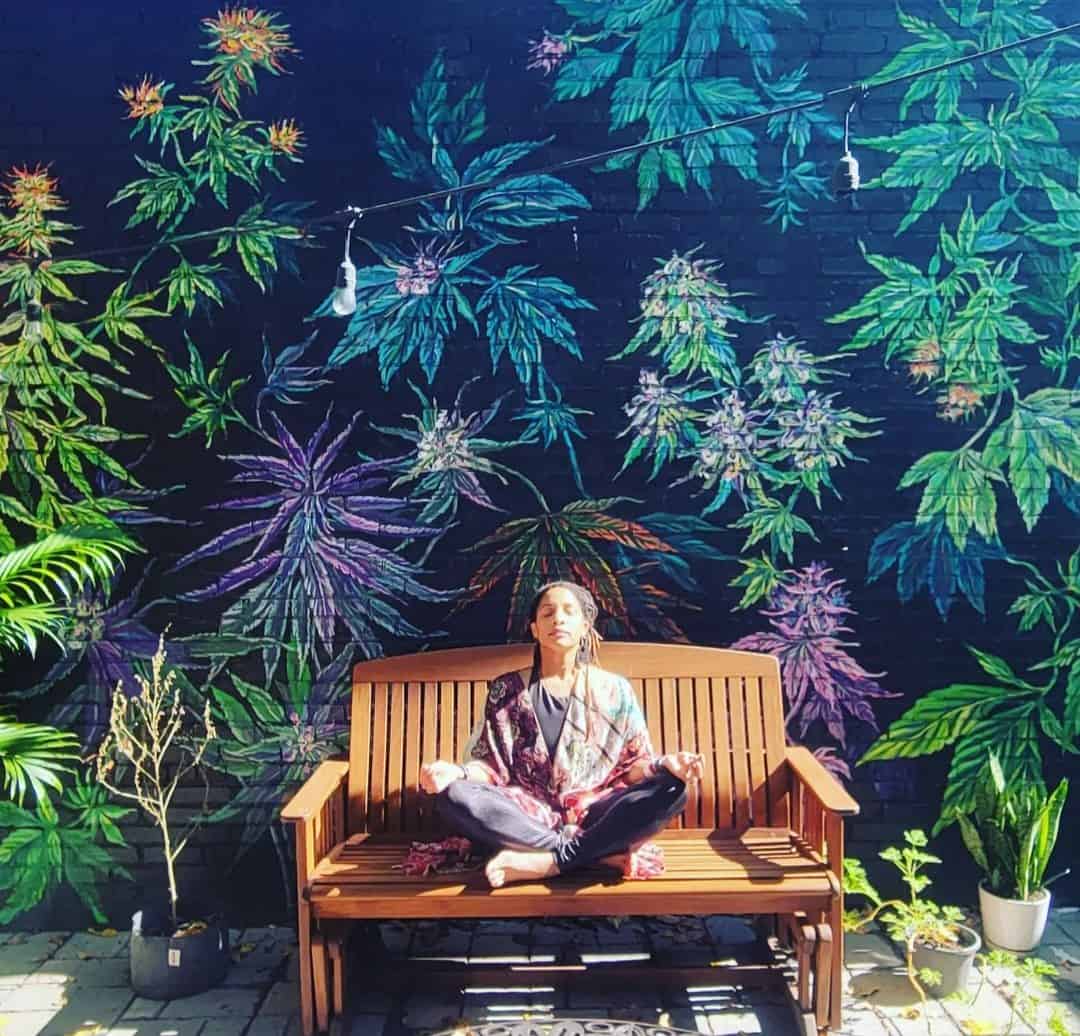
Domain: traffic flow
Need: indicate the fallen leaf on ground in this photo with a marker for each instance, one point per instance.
(106, 933)
(910, 1013)
(977, 1027)
(191, 928)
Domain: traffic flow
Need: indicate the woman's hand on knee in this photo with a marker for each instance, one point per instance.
(687, 766)
(436, 776)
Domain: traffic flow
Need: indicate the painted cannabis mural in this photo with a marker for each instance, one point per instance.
(486, 421)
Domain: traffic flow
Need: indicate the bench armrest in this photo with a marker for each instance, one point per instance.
(309, 801)
(819, 783)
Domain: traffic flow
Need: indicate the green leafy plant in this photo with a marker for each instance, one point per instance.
(34, 577)
(59, 375)
(421, 300)
(659, 59)
(624, 563)
(1011, 831)
(272, 740)
(1025, 984)
(34, 757)
(45, 848)
(996, 307)
(153, 745)
(209, 397)
(911, 921)
(763, 432)
(449, 455)
(1014, 715)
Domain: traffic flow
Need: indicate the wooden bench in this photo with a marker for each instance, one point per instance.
(762, 834)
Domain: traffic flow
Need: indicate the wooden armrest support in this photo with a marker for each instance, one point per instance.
(312, 796)
(819, 783)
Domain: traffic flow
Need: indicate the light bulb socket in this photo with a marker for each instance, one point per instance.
(343, 302)
(346, 275)
(845, 177)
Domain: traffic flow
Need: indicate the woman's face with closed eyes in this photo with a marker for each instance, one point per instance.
(560, 623)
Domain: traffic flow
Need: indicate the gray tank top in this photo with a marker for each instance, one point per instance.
(550, 712)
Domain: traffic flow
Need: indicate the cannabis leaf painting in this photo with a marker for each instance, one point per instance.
(324, 557)
(656, 65)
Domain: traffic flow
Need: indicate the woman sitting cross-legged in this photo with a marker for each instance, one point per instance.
(560, 772)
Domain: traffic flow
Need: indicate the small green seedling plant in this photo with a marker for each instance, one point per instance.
(1026, 985)
(908, 921)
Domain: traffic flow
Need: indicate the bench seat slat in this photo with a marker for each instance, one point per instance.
(585, 895)
(359, 878)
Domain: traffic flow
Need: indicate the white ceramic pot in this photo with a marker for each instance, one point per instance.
(1013, 924)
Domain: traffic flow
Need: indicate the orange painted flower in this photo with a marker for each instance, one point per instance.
(961, 401)
(925, 361)
(32, 192)
(285, 137)
(145, 100)
(244, 32)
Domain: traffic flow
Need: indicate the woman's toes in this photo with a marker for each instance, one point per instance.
(494, 872)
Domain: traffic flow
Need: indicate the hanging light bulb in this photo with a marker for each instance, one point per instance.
(32, 330)
(343, 302)
(845, 177)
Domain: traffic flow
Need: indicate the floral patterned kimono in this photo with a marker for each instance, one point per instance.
(603, 738)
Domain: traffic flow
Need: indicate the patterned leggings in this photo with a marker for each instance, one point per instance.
(623, 820)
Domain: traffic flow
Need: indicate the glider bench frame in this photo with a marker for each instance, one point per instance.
(762, 834)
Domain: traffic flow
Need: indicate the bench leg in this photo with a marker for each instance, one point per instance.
(807, 962)
(823, 976)
(307, 1002)
(337, 967)
(335, 935)
(836, 984)
(801, 937)
(319, 968)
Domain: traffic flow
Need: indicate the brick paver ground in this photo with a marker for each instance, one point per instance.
(76, 984)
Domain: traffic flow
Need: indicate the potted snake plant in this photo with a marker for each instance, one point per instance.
(1010, 832)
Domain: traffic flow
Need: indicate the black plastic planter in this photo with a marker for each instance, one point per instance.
(164, 967)
(954, 964)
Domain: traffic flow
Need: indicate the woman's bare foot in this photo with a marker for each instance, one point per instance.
(510, 865)
(649, 851)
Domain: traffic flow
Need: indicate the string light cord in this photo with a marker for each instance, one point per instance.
(858, 91)
(350, 213)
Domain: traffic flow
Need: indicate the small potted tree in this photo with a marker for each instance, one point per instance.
(938, 949)
(1010, 832)
(153, 743)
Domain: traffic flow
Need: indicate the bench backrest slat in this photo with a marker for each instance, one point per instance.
(727, 705)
